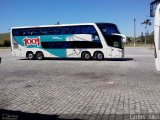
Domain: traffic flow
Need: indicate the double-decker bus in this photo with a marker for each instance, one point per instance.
(155, 12)
(86, 41)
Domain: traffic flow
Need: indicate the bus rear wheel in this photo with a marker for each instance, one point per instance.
(39, 56)
(30, 55)
(86, 56)
(99, 56)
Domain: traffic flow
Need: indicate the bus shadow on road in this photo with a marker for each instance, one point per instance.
(18, 115)
(119, 59)
(63, 59)
(79, 59)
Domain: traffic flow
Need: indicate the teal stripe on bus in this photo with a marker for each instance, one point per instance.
(48, 38)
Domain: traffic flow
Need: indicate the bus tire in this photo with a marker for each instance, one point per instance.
(99, 56)
(39, 55)
(30, 55)
(86, 56)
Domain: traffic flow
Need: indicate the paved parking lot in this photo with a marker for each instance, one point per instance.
(77, 89)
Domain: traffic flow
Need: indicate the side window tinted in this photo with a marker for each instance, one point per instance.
(71, 30)
(88, 30)
(34, 31)
(55, 31)
(50, 30)
(92, 30)
(16, 32)
(43, 31)
(83, 29)
(108, 29)
(71, 44)
(116, 44)
(111, 29)
(63, 30)
(77, 30)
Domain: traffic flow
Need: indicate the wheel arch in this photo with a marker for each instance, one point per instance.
(85, 52)
(28, 53)
(83, 55)
(97, 51)
(39, 51)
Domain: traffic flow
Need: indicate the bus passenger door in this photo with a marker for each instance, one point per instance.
(116, 52)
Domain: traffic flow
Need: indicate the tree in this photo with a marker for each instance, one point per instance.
(142, 38)
(6, 43)
(147, 23)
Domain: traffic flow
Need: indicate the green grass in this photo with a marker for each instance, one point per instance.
(5, 47)
(4, 36)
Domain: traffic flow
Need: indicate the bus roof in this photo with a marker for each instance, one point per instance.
(60, 25)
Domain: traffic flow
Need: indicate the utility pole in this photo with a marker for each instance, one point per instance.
(134, 32)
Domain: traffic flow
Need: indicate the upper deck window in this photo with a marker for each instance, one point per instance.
(61, 30)
(108, 29)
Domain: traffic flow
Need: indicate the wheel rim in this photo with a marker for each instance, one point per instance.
(99, 56)
(39, 56)
(30, 56)
(87, 56)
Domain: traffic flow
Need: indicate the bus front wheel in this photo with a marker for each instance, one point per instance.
(39, 56)
(86, 56)
(30, 55)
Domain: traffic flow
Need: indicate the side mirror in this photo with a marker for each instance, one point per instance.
(124, 38)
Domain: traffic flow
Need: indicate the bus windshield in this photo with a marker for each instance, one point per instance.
(108, 31)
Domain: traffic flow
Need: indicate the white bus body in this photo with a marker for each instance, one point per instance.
(98, 40)
(157, 37)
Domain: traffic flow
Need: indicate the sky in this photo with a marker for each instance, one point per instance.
(48, 12)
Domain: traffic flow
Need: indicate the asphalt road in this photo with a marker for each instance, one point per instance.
(73, 88)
